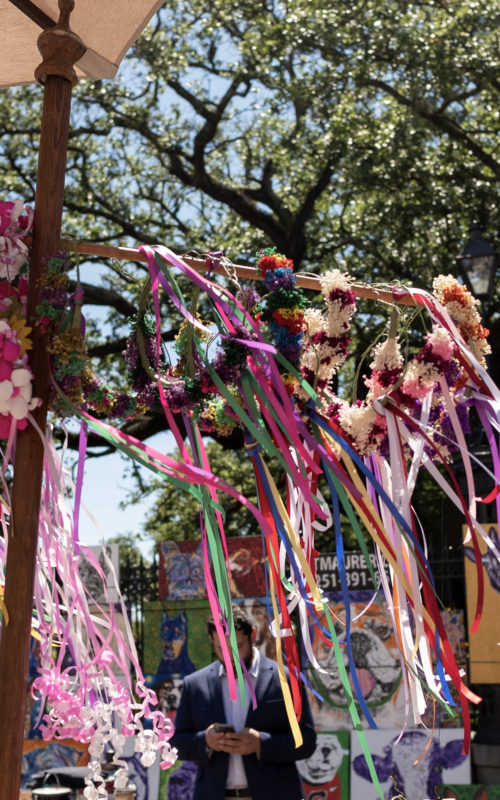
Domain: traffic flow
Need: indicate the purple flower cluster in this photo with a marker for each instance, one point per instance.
(176, 394)
(248, 297)
(281, 278)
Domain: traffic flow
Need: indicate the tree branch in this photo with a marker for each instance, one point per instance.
(101, 296)
(442, 122)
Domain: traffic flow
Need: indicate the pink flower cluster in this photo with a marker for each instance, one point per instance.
(16, 399)
(15, 223)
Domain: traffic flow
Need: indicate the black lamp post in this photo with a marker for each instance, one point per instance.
(478, 264)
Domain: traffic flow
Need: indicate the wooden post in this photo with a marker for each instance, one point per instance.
(60, 49)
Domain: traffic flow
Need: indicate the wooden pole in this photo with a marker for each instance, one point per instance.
(385, 293)
(60, 49)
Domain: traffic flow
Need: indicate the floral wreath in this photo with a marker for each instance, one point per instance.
(313, 345)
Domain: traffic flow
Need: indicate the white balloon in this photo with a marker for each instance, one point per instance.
(25, 391)
(6, 390)
(18, 407)
(20, 376)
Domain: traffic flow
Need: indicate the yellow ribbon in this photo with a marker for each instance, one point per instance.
(287, 695)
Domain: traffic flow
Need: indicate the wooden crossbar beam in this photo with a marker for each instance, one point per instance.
(387, 294)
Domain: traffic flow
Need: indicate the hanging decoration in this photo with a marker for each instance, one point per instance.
(266, 364)
(16, 398)
(86, 660)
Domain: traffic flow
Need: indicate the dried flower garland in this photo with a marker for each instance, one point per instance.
(189, 386)
(315, 341)
(407, 386)
(328, 337)
(284, 306)
(61, 320)
(463, 309)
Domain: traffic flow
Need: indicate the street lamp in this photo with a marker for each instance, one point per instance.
(478, 264)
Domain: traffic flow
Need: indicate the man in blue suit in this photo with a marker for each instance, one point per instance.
(256, 760)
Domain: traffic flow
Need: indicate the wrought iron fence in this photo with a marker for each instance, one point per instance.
(138, 585)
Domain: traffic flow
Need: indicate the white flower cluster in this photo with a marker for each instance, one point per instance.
(323, 358)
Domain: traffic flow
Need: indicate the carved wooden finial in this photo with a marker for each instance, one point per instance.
(60, 47)
(65, 9)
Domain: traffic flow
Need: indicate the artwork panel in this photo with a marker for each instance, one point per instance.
(378, 666)
(394, 761)
(91, 578)
(246, 563)
(175, 639)
(181, 571)
(145, 779)
(325, 775)
(40, 755)
(379, 672)
(484, 651)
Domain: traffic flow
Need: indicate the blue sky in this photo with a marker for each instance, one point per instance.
(104, 488)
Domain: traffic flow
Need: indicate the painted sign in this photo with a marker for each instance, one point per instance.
(357, 571)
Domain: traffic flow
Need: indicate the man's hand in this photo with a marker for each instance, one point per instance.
(244, 742)
(214, 739)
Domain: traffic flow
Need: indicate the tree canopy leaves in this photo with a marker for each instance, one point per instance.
(359, 132)
(362, 135)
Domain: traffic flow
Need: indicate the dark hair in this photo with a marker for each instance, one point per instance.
(241, 621)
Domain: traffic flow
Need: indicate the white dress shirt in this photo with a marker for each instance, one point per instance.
(236, 714)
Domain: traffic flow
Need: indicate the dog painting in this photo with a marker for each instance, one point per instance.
(325, 775)
(182, 576)
(175, 661)
(378, 667)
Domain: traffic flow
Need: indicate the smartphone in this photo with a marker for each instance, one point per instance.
(223, 727)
